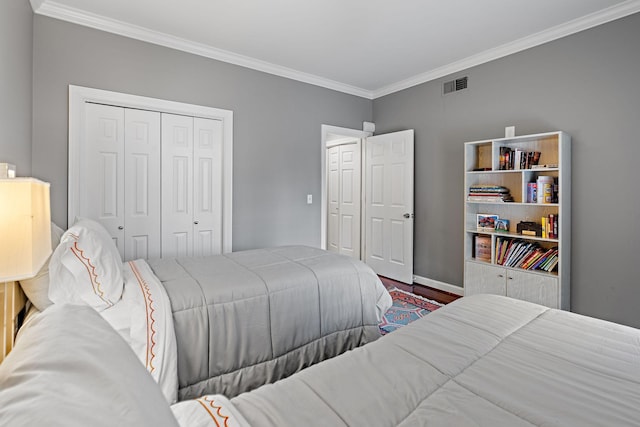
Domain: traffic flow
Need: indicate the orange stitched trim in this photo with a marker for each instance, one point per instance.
(91, 269)
(151, 321)
(205, 402)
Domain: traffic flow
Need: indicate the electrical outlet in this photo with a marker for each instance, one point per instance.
(309, 199)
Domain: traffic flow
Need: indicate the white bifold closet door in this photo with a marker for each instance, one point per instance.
(154, 180)
(191, 186)
(120, 171)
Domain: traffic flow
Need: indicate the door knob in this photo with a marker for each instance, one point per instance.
(195, 222)
(120, 227)
(408, 215)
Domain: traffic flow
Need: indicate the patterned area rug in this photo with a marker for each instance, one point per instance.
(406, 308)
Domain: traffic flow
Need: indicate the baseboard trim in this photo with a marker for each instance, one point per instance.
(457, 290)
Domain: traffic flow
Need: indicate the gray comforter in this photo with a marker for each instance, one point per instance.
(483, 360)
(248, 318)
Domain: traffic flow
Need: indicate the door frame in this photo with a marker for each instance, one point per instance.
(328, 135)
(79, 96)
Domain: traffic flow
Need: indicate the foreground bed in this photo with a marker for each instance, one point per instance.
(480, 361)
(483, 360)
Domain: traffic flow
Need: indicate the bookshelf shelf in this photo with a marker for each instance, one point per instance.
(499, 182)
(514, 236)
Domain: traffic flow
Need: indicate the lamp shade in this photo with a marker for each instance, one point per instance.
(25, 227)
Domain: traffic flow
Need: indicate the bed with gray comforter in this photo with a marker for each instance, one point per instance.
(249, 318)
(483, 360)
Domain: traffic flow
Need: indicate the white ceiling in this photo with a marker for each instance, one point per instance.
(367, 48)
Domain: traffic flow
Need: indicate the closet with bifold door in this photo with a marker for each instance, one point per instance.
(153, 179)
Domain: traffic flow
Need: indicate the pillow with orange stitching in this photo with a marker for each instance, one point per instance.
(86, 267)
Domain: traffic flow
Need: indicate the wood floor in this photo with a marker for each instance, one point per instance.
(424, 291)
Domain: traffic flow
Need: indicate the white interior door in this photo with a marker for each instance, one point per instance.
(344, 198)
(350, 198)
(333, 199)
(142, 192)
(177, 185)
(207, 187)
(389, 205)
(102, 170)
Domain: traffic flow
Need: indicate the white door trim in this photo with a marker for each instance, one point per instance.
(79, 96)
(328, 134)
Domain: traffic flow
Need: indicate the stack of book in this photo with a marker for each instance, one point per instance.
(526, 255)
(489, 194)
(518, 159)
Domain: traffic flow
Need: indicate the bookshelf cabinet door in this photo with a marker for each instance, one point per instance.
(533, 288)
(484, 279)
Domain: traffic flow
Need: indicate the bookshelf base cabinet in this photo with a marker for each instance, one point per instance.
(517, 219)
(482, 278)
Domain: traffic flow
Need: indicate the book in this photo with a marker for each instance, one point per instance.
(488, 189)
(533, 258)
(513, 257)
(549, 226)
(524, 250)
(519, 159)
(509, 251)
(506, 250)
(533, 159)
(483, 247)
(542, 259)
(507, 157)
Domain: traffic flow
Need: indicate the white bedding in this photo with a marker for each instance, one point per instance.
(70, 368)
(143, 318)
(483, 360)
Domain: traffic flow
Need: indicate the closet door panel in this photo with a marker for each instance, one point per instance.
(142, 193)
(177, 185)
(207, 187)
(102, 168)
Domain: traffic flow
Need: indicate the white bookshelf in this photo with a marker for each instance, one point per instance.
(483, 167)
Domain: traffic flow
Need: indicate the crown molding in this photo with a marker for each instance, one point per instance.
(56, 10)
(588, 21)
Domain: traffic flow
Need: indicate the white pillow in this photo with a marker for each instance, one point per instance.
(86, 267)
(37, 288)
(70, 368)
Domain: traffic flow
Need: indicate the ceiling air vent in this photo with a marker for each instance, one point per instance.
(455, 85)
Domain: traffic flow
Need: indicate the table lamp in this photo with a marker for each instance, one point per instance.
(25, 245)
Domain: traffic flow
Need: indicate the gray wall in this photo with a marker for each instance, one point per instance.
(16, 39)
(277, 122)
(585, 84)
